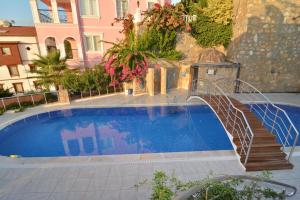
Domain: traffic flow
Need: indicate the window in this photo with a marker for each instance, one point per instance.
(1, 86)
(93, 43)
(18, 87)
(6, 51)
(13, 70)
(89, 7)
(32, 68)
(122, 8)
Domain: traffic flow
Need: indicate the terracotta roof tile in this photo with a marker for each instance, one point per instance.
(18, 31)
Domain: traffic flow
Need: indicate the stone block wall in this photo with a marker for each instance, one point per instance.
(267, 43)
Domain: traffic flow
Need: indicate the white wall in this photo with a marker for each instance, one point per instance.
(27, 57)
(24, 78)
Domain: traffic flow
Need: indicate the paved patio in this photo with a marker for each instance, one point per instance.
(114, 177)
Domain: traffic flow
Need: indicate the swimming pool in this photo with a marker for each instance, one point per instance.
(126, 130)
(108, 131)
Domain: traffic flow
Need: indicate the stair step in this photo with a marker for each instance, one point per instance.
(266, 153)
(266, 140)
(268, 165)
(265, 156)
(263, 148)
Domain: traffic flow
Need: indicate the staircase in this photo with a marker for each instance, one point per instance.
(262, 133)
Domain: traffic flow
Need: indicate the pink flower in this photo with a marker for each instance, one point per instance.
(112, 71)
(157, 6)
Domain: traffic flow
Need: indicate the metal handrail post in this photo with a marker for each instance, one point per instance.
(32, 100)
(4, 106)
(249, 149)
(293, 148)
(19, 101)
(45, 98)
(274, 120)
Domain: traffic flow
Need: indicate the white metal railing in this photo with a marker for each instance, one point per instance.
(189, 18)
(274, 118)
(17, 100)
(234, 120)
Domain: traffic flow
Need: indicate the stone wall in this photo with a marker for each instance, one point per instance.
(267, 43)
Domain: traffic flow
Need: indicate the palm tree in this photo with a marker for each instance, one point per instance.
(50, 69)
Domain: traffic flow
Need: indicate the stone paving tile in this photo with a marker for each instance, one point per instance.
(64, 185)
(87, 172)
(110, 195)
(94, 195)
(27, 196)
(97, 184)
(68, 196)
(128, 182)
(80, 185)
(128, 195)
(113, 183)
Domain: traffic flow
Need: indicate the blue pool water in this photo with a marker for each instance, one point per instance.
(107, 131)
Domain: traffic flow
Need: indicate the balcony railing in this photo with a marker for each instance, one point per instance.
(63, 17)
(45, 16)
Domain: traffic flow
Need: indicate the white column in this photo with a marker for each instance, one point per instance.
(80, 52)
(35, 12)
(55, 11)
(43, 49)
(74, 12)
(62, 50)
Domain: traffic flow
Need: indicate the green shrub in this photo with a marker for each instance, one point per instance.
(161, 43)
(165, 187)
(161, 26)
(193, 6)
(209, 33)
(2, 111)
(12, 106)
(21, 109)
(5, 93)
(219, 11)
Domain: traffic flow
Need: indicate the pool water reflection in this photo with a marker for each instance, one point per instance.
(109, 131)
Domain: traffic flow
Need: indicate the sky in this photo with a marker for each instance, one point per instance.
(17, 10)
(20, 12)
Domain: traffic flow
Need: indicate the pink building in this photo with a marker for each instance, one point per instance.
(76, 27)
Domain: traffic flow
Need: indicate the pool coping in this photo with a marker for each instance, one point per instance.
(69, 161)
(216, 155)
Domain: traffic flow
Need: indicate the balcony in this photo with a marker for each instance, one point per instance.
(45, 16)
(54, 11)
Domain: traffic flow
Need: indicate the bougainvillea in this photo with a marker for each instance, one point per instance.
(127, 24)
(125, 61)
(165, 17)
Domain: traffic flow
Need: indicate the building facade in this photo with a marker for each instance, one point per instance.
(77, 27)
(18, 48)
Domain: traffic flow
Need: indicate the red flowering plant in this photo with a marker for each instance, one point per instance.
(165, 17)
(124, 61)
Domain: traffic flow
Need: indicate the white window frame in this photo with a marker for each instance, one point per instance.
(121, 8)
(151, 1)
(89, 16)
(86, 46)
